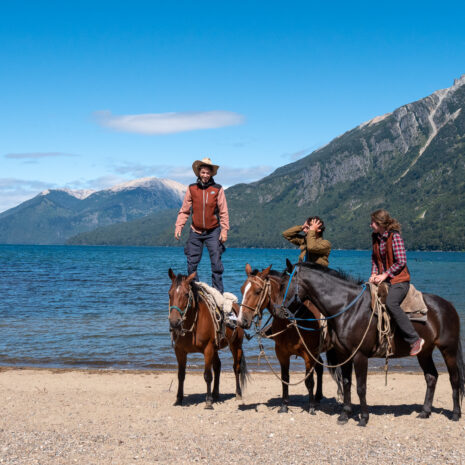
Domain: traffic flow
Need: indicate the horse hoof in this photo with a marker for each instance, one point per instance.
(342, 419)
(216, 397)
(283, 409)
(178, 402)
(455, 417)
(208, 406)
(424, 414)
(362, 422)
(238, 397)
(312, 411)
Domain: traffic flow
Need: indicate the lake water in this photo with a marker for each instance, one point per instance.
(107, 307)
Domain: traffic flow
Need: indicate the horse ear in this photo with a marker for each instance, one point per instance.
(248, 269)
(266, 271)
(171, 274)
(289, 266)
(191, 277)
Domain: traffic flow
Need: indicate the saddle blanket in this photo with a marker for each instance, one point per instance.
(413, 304)
(223, 301)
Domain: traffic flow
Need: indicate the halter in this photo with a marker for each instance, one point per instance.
(265, 292)
(183, 313)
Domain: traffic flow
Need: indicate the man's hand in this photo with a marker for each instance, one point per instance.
(177, 235)
(315, 225)
(305, 228)
(223, 236)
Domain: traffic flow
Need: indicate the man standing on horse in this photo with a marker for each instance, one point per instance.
(389, 263)
(210, 220)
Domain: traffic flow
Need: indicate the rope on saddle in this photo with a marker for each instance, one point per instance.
(384, 331)
(215, 314)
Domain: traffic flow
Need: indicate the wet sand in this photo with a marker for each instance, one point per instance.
(122, 417)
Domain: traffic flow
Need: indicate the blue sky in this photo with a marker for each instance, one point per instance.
(97, 93)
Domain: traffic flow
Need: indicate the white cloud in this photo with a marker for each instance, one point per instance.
(37, 155)
(168, 123)
(227, 176)
(97, 184)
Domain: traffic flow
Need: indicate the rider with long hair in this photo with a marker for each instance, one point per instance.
(389, 263)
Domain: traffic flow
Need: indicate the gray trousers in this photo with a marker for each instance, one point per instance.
(396, 295)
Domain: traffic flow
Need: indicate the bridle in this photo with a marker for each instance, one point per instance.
(182, 313)
(264, 293)
(295, 297)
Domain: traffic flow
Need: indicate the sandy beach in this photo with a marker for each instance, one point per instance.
(121, 417)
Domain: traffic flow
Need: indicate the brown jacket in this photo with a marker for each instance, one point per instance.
(208, 207)
(318, 249)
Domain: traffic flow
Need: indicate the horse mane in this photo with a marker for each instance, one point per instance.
(193, 285)
(275, 273)
(339, 273)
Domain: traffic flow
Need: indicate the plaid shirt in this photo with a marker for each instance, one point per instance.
(398, 249)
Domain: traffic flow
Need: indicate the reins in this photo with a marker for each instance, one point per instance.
(290, 316)
(345, 309)
(266, 292)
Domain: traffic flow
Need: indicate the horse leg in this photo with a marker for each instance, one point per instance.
(309, 382)
(208, 354)
(425, 359)
(237, 363)
(216, 372)
(454, 376)
(361, 370)
(347, 384)
(182, 360)
(284, 362)
(319, 380)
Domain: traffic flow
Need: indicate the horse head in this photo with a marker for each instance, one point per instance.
(255, 294)
(290, 295)
(180, 298)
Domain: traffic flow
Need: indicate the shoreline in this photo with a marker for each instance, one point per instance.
(65, 416)
(442, 370)
(177, 246)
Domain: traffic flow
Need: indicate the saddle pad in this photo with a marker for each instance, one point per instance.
(223, 301)
(413, 304)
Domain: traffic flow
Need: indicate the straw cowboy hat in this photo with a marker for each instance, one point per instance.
(204, 161)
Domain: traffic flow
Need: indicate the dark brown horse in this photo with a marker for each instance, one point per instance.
(194, 332)
(348, 309)
(260, 291)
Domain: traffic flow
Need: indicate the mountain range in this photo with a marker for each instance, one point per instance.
(410, 161)
(55, 215)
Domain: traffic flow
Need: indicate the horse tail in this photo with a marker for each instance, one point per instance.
(336, 373)
(244, 372)
(461, 369)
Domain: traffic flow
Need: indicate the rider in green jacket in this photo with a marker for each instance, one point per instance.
(309, 237)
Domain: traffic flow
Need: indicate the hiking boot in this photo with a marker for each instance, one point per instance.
(416, 347)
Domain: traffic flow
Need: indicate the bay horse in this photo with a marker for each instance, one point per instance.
(259, 291)
(194, 332)
(347, 308)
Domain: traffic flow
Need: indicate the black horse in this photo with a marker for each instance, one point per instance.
(331, 292)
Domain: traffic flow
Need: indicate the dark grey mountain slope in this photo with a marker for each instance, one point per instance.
(53, 216)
